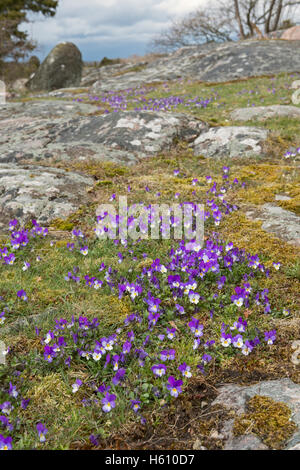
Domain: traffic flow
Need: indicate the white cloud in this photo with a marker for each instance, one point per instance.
(107, 25)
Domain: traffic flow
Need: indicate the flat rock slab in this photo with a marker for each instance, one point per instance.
(280, 222)
(119, 137)
(261, 113)
(40, 193)
(245, 442)
(27, 128)
(69, 93)
(144, 133)
(235, 397)
(44, 109)
(208, 62)
(230, 142)
(250, 58)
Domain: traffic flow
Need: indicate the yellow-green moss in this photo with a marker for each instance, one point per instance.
(61, 243)
(264, 181)
(61, 224)
(145, 263)
(77, 91)
(49, 393)
(266, 172)
(104, 183)
(119, 308)
(249, 235)
(275, 144)
(48, 296)
(269, 419)
(135, 68)
(93, 167)
(109, 308)
(259, 196)
(111, 169)
(291, 205)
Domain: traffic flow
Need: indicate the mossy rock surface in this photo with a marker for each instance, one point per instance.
(269, 419)
(266, 414)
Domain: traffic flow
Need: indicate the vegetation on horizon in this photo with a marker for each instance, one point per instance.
(228, 21)
(14, 43)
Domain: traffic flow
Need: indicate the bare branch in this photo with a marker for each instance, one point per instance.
(226, 21)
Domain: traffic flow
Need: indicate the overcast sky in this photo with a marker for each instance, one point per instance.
(111, 28)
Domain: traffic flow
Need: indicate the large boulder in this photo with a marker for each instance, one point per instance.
(19, 85)
(292, 34)
(62, 68)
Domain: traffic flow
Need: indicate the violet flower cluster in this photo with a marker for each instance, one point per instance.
(186, 293)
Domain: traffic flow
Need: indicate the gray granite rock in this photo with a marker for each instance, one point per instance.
(250, 58)
(67, 92)
(44, 109)
(296, 447)
(282, 197)
(246, 442)
(143, 133)
(261, 113)
(19, 85)
(40, 193)
(235, 397)
(91, 74)
(27, 128)
(209, 62)
(280, 222)
(28, 135)
(230, 142)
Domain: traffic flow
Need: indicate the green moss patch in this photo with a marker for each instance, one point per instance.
(269, 419)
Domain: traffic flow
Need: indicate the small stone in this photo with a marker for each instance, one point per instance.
(19, 85)
(282, 197)
(216, 435)
(295, 85)
(296, 447)
(295, 356)
(2, 353)
(198, 446)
